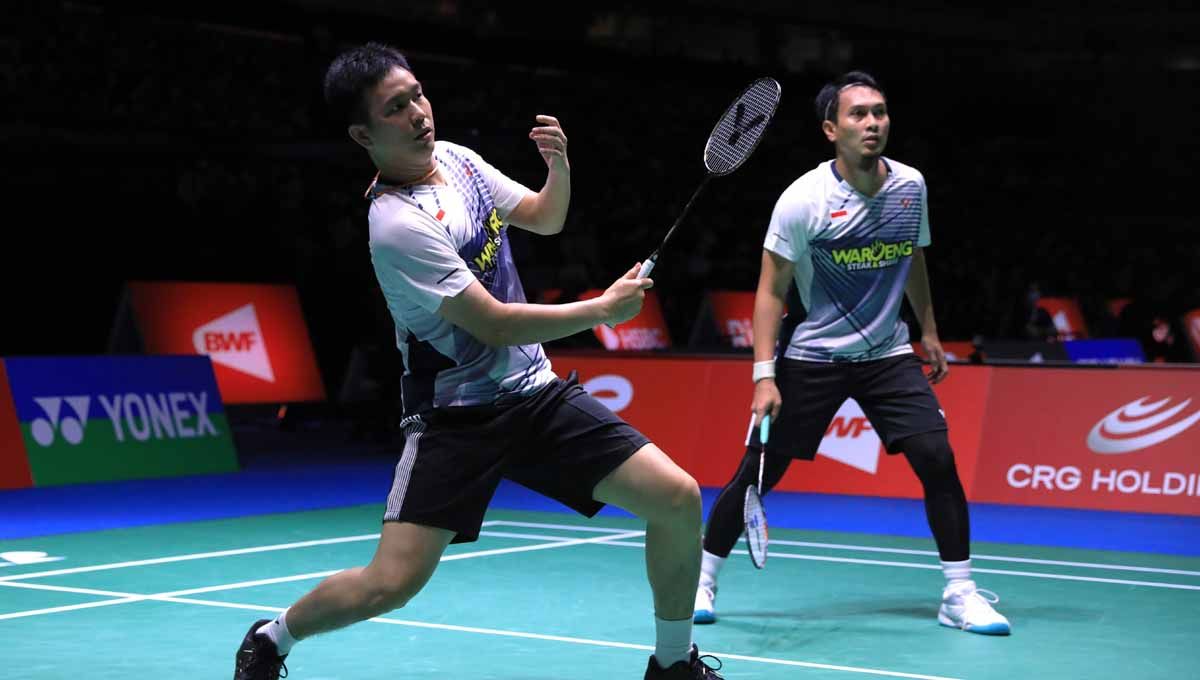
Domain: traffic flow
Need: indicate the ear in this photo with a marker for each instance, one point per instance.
(830, 130)
(359, 133)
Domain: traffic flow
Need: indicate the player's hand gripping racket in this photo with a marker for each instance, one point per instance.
(729, 145)
(753, 511)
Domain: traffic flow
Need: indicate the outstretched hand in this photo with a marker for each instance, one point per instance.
(551, 141)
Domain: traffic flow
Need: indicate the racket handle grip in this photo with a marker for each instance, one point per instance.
(764, 429)
(647, 266)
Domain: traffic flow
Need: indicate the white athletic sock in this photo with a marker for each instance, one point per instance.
(278, 633)
(710, 567)
(957, 572)
(674, 641)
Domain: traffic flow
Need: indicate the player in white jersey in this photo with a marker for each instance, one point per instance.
(480, 399)
(851, 235)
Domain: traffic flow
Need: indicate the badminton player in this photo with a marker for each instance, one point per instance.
(851, 234)
(480, 399)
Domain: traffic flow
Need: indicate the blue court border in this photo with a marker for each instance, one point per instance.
(26, 513)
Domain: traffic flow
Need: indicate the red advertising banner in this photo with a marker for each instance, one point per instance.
(698, 411)
(1112, 440)
(647, 330)
(255, 335)
(733, 313)
(1067, 317)
(666, 398)
(956, 350)
(14, 463)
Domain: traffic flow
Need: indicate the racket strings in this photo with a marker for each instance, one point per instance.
(739, 130)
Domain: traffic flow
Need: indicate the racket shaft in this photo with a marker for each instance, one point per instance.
(686, 209)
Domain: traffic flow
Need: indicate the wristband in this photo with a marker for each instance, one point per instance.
(764, 369)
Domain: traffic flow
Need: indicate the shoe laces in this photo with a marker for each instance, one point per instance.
(709, 671)
(980, 599)
(986, 595)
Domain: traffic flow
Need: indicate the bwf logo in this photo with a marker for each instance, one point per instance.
(235, 341)
(69, 424)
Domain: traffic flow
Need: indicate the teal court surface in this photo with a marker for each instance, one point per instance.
(553, 596)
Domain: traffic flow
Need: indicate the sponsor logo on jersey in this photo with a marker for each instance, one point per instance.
(875, 256)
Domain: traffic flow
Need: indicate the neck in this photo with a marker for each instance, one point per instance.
(864, 173)
(409, 175)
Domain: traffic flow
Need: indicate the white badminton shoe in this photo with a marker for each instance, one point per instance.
(704, 605)
(968, 608)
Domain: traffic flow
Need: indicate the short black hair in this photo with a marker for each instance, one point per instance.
(355, 71)
(827, 98)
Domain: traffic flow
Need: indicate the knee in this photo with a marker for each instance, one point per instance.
(388, 592)
(682, 498)
(931, 457)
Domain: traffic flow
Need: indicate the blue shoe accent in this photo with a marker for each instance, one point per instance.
(703, 616)
(991, 629)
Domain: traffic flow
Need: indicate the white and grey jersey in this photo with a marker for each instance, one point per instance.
(428, 243)
(852, 255)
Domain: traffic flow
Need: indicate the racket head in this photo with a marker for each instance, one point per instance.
(755, 516)
(740, 128)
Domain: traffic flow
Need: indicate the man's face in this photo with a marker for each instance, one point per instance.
(862, 123)
(401, 120)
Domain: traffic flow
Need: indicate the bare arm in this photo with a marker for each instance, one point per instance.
(546, 211)
(917, 289)
(769, 301)
(501, 324)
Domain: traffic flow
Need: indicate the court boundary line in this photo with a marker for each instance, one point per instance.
(974, 569)
(615, 536)
(930, 553)
(175, 598)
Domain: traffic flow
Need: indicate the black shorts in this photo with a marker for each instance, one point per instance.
(894, 395)
(559, 441)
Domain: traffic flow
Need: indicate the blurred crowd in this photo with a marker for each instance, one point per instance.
(193, 150)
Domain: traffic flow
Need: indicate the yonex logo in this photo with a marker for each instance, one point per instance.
(1138, 425)
(70, 425)
(235, 341)
(166, 415)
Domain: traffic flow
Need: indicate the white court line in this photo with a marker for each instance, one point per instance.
(906, 551)
(995, 558)
(192, 556)
(974, 570)
(174, 598)
(169, 595)
(230, 553)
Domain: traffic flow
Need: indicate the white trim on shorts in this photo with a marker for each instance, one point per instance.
(413, 427)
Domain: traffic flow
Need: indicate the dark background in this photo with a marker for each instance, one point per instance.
(188, 141)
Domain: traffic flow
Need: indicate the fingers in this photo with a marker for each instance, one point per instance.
(633, 271)
(941, 370)
(549, 137)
